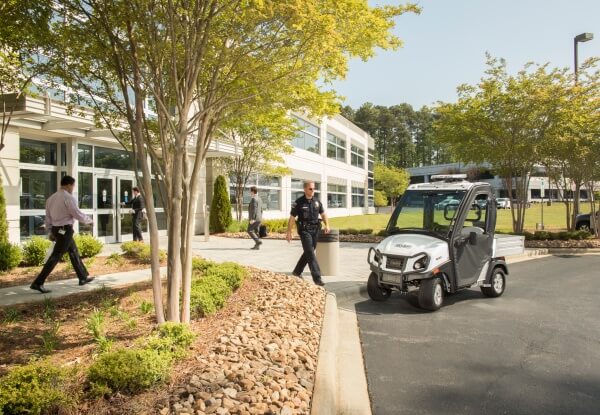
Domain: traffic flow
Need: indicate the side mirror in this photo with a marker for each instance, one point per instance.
(450, 212)
(473, 238)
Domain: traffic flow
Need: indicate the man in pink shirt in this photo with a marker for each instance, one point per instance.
(61, 212)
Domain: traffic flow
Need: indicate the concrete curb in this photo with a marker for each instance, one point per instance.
(324, 399)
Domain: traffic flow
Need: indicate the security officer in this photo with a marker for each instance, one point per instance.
(307, 209)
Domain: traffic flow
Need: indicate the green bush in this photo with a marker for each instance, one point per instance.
(276, 225)
(141, 252)
(236, 226)
(128, 370)
(562, 236)
(87, 245)
(382, 232)
(220, 208)
(230, 272)
(131, 248)
(366, 231)
(34, 251)
(10, 256)
(35, 388)
(171, 338)
(200, 265)
(209, 293)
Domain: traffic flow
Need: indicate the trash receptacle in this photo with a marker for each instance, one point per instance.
(328, 252)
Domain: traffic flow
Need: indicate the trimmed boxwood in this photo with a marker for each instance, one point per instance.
(233, 274)
(34, 251)
(208, 294)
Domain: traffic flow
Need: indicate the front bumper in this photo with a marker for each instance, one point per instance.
(392, 277)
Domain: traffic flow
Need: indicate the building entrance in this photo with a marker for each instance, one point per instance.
(113, 219)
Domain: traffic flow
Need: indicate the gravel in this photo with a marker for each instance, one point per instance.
(265, 361)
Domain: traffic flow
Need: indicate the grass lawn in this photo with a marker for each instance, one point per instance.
(554, 219)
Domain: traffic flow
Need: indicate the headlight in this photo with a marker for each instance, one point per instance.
(421, 263)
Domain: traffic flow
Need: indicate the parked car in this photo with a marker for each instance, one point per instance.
(583, 222)
(503, 203)
(447, 202)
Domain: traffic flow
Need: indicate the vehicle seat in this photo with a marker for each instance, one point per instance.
(468, 229)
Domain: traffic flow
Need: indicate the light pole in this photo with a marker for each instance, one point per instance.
(584, 37)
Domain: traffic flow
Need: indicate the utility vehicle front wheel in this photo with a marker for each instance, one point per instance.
(431, 294)
(497, 284)
(377, 293)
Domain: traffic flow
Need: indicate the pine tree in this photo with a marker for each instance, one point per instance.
(3, 221)
(220, 208)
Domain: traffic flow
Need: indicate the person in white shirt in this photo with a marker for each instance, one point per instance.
(61, 212)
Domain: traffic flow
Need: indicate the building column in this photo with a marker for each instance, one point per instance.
(11, 182)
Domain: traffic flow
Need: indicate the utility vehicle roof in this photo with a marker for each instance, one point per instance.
(447, 182)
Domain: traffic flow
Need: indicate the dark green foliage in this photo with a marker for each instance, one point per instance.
(352, 231)
(230, 272)
(209, 293)
(34, 251)
(35, 388)
(382, 232)
(276, 225)
(3, 221)
(10, 256)
(556, 236)
(128, 370)
(220, 208)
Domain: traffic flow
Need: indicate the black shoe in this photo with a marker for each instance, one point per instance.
(318, 281)
(88, 279)
(297, 275)
(40, 288)
(257, 246)
(259, 243)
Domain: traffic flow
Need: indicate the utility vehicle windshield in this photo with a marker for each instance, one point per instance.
(430, 211)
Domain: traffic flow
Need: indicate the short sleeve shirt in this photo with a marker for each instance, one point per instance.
(307, 210)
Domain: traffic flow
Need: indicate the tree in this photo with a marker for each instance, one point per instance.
(380, 199)
(198, 63)
(261, 141)
(505, 120)
(391, 181)
(24, 33)
(220, 208)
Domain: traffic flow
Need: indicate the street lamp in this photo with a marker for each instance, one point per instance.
(584, 37)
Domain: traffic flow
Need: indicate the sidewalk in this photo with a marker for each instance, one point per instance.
(340, 384)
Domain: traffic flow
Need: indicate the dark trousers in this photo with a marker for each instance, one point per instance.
(136, 220)
(253, 231)
(64, 243)
(309, 244)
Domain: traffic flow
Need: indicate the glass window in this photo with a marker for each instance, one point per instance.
(63, 154)
(36, 187)
(357, 156)
(37, 152)
(336, 195)
(32, 225)
(371, 160)
(358, 197)
(109, 158)
(336, 148)
(85, 190)
(84, 155)
(307, 137)
(269, 191)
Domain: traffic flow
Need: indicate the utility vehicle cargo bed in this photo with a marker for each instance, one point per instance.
(505, 245)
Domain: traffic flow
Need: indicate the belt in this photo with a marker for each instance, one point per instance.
(62, 226)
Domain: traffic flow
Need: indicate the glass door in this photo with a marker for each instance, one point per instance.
(125, 221)
(105, 208)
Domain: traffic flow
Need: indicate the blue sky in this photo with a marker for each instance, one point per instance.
(445, 46)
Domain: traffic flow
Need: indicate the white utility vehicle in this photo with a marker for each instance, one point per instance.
(439, 247)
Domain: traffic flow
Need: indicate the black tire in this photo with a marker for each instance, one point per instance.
(584, 226)
(377, 293)
(498, 284)
(431, 294)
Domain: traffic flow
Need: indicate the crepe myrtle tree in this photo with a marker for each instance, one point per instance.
(174, 71)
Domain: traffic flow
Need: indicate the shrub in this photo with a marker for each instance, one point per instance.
(87, 245)
(115, 259)
(141, 252)
(382, 232)
(200, 265)
(209, 293)
(10, 256)
(235, 226)
(276, 225)
(128, 370)
(230, 272)
(35, 388)
(220, 208)
(131, 248)
(366, 231)
(171, 338)
(34, 250)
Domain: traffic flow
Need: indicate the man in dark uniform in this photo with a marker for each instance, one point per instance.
(307, 209)
(137, 206)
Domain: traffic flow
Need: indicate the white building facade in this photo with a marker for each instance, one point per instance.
(47, 140)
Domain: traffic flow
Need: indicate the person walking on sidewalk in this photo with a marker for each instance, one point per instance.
(61, 212)
(137, 206)
(254, 217)
(307, 209)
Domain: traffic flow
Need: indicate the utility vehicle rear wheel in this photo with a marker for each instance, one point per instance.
(498, 284)
(376, 292)
(431, 294)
